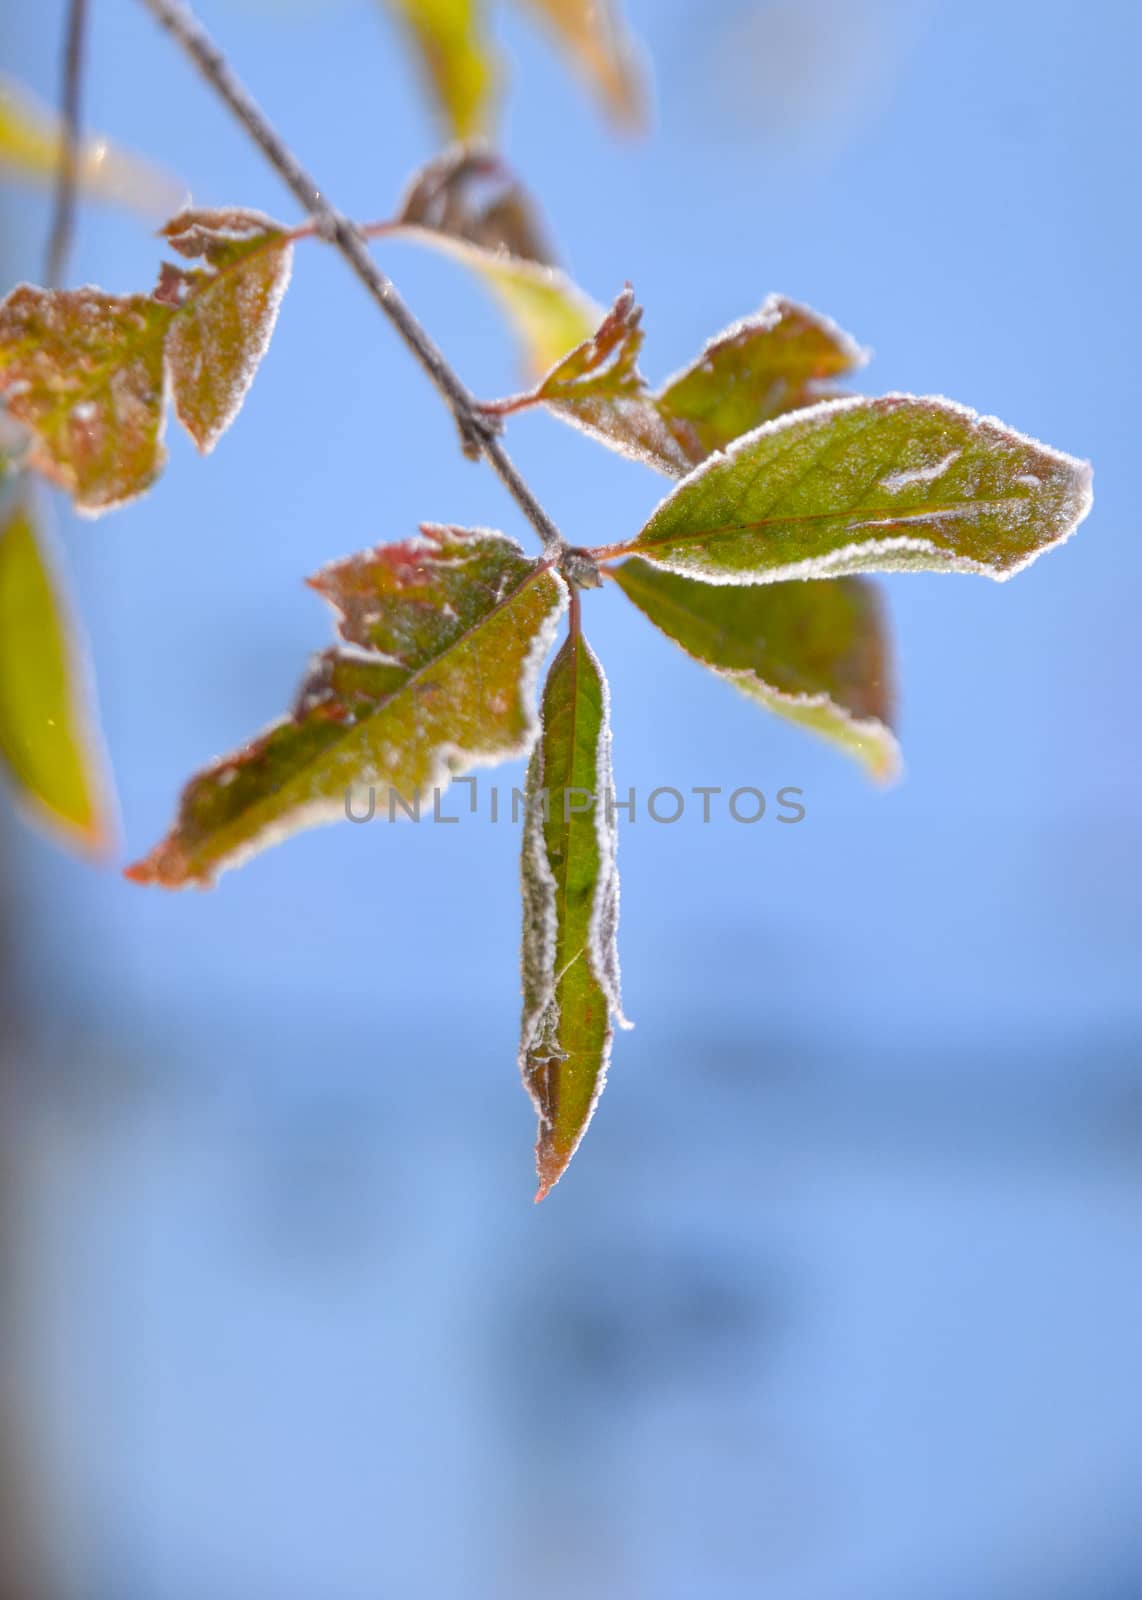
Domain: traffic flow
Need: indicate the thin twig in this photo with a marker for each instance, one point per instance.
(478, 433)
(67, 182)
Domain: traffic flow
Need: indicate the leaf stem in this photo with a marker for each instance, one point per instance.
(479, 433)
(67, 181)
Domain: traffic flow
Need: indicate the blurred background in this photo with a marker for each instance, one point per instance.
(841, 1298)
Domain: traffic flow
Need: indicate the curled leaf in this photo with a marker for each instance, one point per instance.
(467, 205)
(816, 654)
(570, 905)
(444, 638)
(87, 372)
(899, 484)
(780, 360)
(48, 747)
(598, 387)
(30, 149)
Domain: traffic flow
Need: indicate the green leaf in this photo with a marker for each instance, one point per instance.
(30, 150)
(570, 901)
(780, 360)
(47, 746)
(87, 372)
(817, 654)
(594, 36)
(448, 36)
(444, 637)
(468, 206)
(893, 485)
(760, 368)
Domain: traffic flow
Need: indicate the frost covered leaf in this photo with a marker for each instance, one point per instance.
(764, 366)
(570, 905)
(449, 38)
(817, 654)
(47, 747)
(86, 372)
(444, 636)
(30, 149)
(594, 35)
(599, 388)
(467, 205)
(226, 312)
(893, 485)
(776, 361)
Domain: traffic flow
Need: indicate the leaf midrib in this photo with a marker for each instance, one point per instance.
(380, 706)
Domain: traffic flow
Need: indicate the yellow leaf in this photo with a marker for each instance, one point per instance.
(594, 36)
(449, 37)
(30, 149)
(47, 746)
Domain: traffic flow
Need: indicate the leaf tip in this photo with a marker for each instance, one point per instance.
(550, 1165)
(166, 867)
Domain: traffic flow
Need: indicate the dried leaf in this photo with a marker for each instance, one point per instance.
(449, 38)
(899, 484)
(814, 653)
(86, 372)
(47, 746)
(30, 149)
(445, 635)
(468, 206)
(777, 361)
(595, 37)
(570, 901)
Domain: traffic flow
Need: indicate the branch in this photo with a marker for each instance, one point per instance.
(63, 223)
(478, 433)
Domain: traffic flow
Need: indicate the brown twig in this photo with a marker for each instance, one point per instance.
(478, 432)
(67, 182)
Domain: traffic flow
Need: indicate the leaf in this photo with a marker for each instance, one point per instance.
(87, 372)
(814, 653)
(893, 485)
(444, 637)
(461, 67)
(449, 38)
(467, 205)
(227, 311)
(84, 371)
(598, 42)
(760, 368)
(571, 902)
(47, 746)
(764, 366)
(598, 388)
(30, 149)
